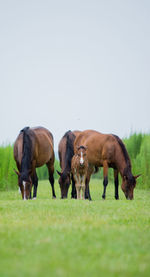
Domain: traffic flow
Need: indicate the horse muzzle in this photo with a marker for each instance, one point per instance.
(129, 198)
(63, 197)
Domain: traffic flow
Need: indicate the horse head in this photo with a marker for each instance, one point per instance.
(81, 153)
(25, 184)
(64, 182)
(128, 185)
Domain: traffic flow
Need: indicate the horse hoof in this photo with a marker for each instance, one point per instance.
(34, 198)
(54, 197)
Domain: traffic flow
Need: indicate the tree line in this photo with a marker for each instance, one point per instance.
(138, 147)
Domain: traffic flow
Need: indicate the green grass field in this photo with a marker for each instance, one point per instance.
(47, 237)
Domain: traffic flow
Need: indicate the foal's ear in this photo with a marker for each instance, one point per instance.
(17, 172)
(59, 173)
(137, 176)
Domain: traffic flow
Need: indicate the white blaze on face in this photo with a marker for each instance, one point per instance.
(81, 158)
(24, 185)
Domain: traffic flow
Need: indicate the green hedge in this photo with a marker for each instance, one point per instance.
(8, 178)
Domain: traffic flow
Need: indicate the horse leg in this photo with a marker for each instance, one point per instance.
(51, 177)
(35, 185)
(83, 187)
(105, 181)
(73, 192)
(116, 183)
(83, 190)
(78, 190)
(87, 189)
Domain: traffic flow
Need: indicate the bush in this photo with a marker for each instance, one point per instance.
(8, 178)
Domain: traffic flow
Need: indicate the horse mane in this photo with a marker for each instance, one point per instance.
(70, 137)
(82, 147)
(27, 152)
(127, 170)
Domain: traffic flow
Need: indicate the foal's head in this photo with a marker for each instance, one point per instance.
(82, 154)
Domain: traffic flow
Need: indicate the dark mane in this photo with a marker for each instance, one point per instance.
(127, 170)
(124, 151)
(70, 137)
(82, 147)
(27, 153)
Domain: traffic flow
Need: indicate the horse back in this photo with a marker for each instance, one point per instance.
(43, 146)
(100, 147)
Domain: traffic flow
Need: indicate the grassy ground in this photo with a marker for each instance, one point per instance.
(46, 237)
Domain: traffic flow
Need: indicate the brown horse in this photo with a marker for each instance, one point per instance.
(79, 169)
(33, 148)
(66, 152)
(108, 151)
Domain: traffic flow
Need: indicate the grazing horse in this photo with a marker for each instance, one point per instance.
(108, 151)
(66, 152)
(33, 148)
(79, 168)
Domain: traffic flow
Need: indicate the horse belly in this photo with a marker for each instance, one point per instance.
(95, 158)
(42, 159)
(44, 155)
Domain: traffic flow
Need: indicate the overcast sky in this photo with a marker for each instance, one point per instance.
(74, 65)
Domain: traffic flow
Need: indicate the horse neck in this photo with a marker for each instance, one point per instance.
(124, 167)
(123, 162)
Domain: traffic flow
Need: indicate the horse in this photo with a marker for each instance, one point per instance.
(66, 152)
(33, 148)
(79, 168)
(108, 151)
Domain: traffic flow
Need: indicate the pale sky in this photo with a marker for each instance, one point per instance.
(74, 65)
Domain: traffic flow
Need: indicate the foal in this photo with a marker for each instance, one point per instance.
(79, 168)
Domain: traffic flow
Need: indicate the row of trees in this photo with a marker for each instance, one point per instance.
(138, 147)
